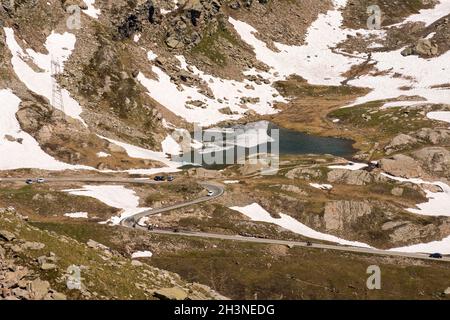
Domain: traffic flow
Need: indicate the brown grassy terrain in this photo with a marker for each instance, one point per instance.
(355, 13)
(104, 274)
(249, 271)
(310, 104)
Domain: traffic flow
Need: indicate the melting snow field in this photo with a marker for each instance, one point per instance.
(428, 16)
(319, 64)
(141, 153)
(25, 151)
(230, 92)
(438, 202)
(350, 166)
(21, 150)
(257, 213)
(91, 10)
(114, 196)
(60, 47)
(439, 115)
(28, 154)
(249, 135)
(441, 246)
(170, 146)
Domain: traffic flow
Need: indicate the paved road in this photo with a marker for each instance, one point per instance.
(88, 179)
(296, 244)
(217, 192)
(216, 189)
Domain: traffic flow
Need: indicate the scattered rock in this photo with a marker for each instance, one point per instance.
(174, 293)
(48, 266)
(434, 159)
(294, 189)
(33, 246)
(304, 173)
(397, 191)
(350, 177)
(425, 47)
(136, 263)
(39, 288)
(6, 235)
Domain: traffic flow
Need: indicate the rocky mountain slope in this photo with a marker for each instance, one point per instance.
(37, 264)
(110, 88)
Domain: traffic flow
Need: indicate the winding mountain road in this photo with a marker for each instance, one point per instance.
(218, 191)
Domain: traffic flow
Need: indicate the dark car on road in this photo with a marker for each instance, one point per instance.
(436, 255)
(29, 181)
(160, 178)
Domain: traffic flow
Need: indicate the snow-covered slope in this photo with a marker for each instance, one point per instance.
(257, 213)
(25, 151)
(114, 196)
(319, 63)
(60, 47)
(227, 93)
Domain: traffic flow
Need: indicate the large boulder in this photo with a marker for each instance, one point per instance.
(341, 214)
(434, 136)
(351, 177)
(410, 233)
(401, 166)
(6, 235)
(174, 293)
(304, 173)
(435, 159)
(39, 289)
(425, 47)
(399, 142)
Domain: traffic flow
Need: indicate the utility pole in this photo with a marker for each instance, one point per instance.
(57, 98)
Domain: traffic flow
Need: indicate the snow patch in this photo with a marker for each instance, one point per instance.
(103, 154)
(141, 254)
(438, 202)
(429, 16)
(25, 151)
(77, 215)
(141, 153)
(321, 186)
(439, 115)
(227, 93)
(170, 146)
(320, 64)
(91, 10)
(60, 47)
(114, 196)
(440, 246)
(257, 213)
